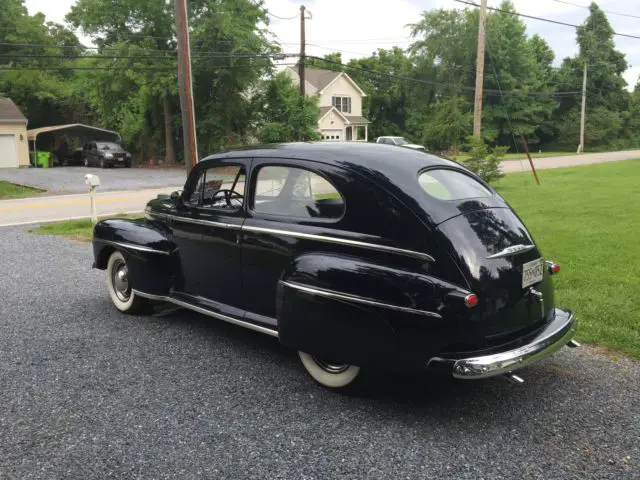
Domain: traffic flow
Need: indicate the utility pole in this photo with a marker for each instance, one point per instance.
(302, 52)
(185, 85)
(477, 107)
(584, 108)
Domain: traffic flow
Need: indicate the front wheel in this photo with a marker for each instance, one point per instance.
(330, 374)
(120, 289)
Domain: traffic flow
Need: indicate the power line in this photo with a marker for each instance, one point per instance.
(605, 11)
(156, 57)
(441, 84)
(557, 22)
(123, 68)
(282, 18)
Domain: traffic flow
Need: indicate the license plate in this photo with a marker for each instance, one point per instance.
(532, 272)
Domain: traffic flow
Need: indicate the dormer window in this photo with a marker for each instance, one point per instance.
(341, 103)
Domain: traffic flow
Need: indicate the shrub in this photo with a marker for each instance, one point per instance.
(484, 161)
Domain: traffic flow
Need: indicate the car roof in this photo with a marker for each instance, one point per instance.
(374, 157)
(391, 167)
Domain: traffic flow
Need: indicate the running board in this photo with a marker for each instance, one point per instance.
(205, 311)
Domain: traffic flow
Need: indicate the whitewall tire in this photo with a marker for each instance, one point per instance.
(120, 289)
(329, 374)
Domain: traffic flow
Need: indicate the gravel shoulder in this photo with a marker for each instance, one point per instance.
(86, 392)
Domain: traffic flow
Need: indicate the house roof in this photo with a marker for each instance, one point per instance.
(76, 129)
(320, 78)
(325, 110)
(356, 119)
(10, 113)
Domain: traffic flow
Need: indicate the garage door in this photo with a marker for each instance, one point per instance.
(8, 153)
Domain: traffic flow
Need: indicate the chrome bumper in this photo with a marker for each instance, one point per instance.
(557, 334)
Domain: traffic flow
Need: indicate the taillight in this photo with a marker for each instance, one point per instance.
(553, 267)
(471, 300)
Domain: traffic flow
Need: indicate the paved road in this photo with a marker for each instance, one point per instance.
(569, 161)
(65, 180)
(88, 393)
(26, 211)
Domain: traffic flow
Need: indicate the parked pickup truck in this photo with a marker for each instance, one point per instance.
(399, 141)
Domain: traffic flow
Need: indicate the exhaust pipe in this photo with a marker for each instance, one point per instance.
(573, 344)
(515, 379)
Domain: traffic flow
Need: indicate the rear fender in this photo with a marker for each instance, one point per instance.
(355, 311)
(148, 250)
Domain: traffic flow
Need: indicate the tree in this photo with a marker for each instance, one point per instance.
(228, 47)
(285, 115)
(27, 73)
(606, 95)
(484, 161)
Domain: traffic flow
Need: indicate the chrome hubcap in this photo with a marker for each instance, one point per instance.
(331, 367)
(120, 278)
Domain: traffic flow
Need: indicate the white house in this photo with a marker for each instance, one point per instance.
(14, 150)
(340, 103)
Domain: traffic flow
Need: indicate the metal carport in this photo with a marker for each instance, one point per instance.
(86, 132)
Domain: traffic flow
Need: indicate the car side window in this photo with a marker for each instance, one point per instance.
(219, 188)
(296, 192)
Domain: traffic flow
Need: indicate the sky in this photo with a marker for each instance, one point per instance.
(358, 27)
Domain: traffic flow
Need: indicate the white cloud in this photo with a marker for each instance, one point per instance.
(355, 27)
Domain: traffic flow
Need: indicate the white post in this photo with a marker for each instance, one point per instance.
(366, 132)
(583, 110)
(94, 182)
(94, 214)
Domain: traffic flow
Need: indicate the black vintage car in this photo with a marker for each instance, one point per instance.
(358, 256)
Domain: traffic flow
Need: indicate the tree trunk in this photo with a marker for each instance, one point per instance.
(170, 148)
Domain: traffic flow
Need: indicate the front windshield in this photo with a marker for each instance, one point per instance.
(108, 146)
(400, 141)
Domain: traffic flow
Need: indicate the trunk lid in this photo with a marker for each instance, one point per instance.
(493, 250)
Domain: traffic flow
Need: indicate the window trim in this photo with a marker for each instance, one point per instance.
(250, 204)
(341, 97)
(457, 170)
(222, 211)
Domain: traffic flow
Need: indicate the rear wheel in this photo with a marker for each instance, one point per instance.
(120, 290)
(330, 374)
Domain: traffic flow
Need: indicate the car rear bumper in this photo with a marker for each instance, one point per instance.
(555, 335)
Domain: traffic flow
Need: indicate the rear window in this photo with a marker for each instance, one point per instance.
(451, 185)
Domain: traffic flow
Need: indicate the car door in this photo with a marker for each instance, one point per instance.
(206, 230)
(93, 153)
(286, 195)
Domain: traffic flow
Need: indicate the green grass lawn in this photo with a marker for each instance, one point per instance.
(11, 190)
(523, 156)
(588, 220)
(73, 229)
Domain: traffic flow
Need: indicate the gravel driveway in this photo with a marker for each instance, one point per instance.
(61, 180)
(87, 393)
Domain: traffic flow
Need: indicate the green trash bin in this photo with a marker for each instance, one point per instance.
(43, 160)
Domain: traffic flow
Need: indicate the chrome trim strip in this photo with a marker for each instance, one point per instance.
(204, 311)
(505, 362)
(341, 241)
(357, 299)
(208, 223)
(132, 246)
(512, 250)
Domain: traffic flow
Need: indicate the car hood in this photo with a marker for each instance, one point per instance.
(413, 146)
